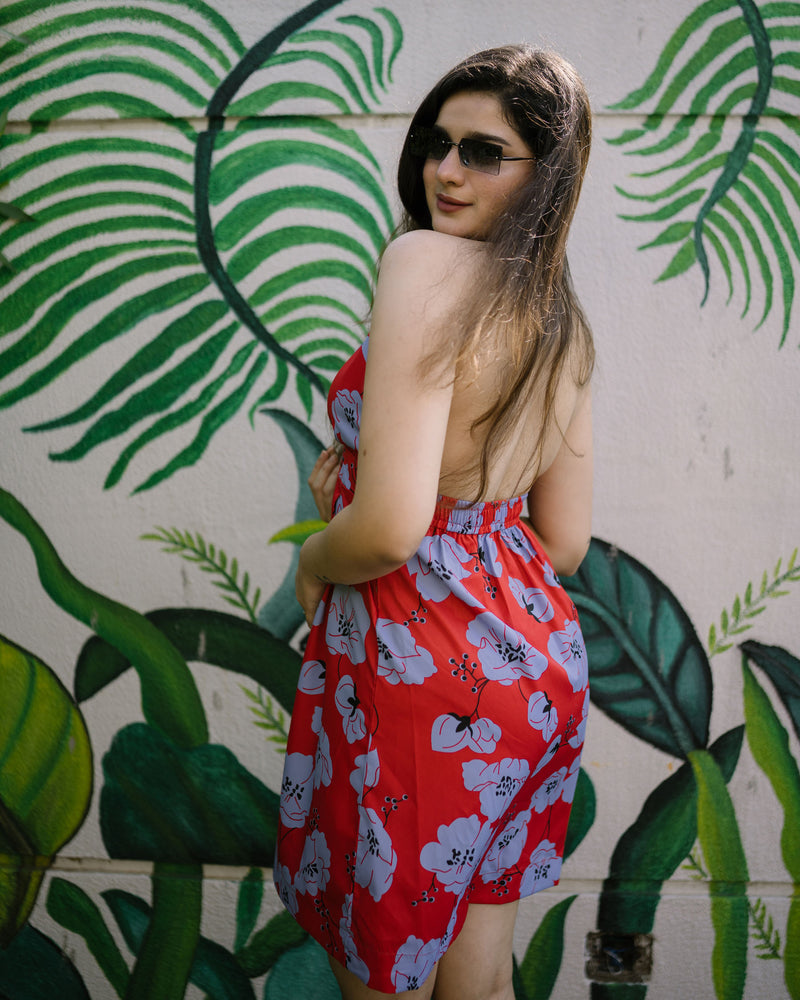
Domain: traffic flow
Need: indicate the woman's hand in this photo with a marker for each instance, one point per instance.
(322, 481)
(308, 587)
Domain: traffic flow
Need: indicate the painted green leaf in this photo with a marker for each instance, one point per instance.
(181, 396)
(160, 802)
(281, 614)
(170, 699)
(791, 958)
(302, 974)
(213, 969)
(166, 949)
(248, 906)
(71, 907)
(725, 62)
(584, 809)
(298, 533)
(45, 778)
(720, 840)
(649, 670)
(541, 963)
(769, 744)
(657, 842)
(32, 965)
(281, 934)
(215, 637)
(783, 669)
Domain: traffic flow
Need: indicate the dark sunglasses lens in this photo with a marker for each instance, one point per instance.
(479, 155)
(428, 144)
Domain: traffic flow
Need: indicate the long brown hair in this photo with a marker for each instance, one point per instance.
(524, 293)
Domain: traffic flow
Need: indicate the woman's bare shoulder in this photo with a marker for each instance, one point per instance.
(426, 252)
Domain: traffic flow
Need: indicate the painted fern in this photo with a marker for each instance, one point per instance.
(722, 134)
(737, 620)
(210, 559)
(228, 262)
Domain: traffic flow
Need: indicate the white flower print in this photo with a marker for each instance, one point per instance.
(543, 869)
(487, 553)
(414, 962)
(580, 734)
(346, 414)
(550, 577)
(376, 859)
(568, 789)
(323, 765)
(353, 721)
(504, 653)
(447, 938)
(367, 771)
(451, 733)
(568, 649)
(547, 756)
(345, 478)
(437, 564)
(497, 783)
(296, 785)
(518, 542)
(534, 600)
(399, 657)
(312, 677)
(287, 892)
(315, 864)
(506, 848)
(542, 714)
(549, 791)
(356, 965)
(348, 624)
(454, 855)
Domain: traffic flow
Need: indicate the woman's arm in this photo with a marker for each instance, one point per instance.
(403, 425)
(560, 503)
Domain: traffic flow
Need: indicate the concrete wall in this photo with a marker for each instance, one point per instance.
(164, 351)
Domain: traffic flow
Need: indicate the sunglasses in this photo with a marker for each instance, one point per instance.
(474, 154)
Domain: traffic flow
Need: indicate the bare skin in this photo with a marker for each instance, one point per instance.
(477, 966)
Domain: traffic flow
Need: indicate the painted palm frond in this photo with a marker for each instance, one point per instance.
(220, 266)
(722, 138)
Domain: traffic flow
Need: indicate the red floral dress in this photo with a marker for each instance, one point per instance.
(435, 739)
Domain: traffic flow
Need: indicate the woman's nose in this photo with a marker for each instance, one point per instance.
(450, 167)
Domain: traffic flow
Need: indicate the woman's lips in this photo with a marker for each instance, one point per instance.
(447, 205)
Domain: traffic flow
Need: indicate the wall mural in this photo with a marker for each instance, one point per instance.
(730, 162)
(225, 341)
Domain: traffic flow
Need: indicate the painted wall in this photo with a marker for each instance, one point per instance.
(204, 188)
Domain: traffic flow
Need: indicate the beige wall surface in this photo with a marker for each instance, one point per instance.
(206, 187)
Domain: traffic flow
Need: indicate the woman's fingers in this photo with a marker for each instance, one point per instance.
(322, 481)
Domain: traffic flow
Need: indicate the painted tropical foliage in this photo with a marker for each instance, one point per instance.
(245, 246)
(229, 263)
(720, 170)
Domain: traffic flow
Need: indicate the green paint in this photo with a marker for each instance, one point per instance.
(541, 963)
(214, 637)
(71, 907)
(45, 779)
(649, 670)
(718, 832)
(169, 696)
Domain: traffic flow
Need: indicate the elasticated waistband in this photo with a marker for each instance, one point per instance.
(462, 517)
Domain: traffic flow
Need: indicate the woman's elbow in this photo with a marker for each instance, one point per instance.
(567, 556)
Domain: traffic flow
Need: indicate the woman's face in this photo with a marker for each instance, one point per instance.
(465, 202)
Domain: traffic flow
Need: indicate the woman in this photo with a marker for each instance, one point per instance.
(441, 707)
